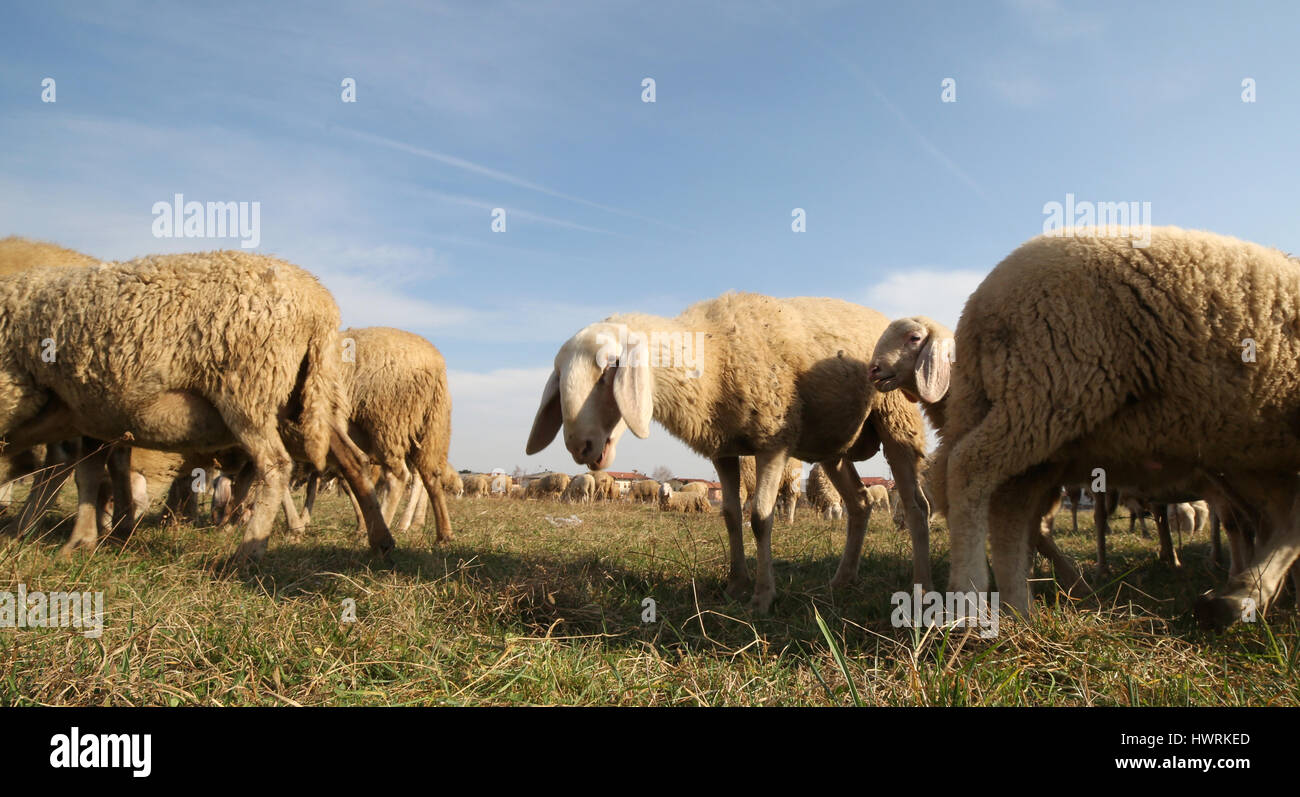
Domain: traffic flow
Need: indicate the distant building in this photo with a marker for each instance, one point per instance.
(870, 480)
(715, 488)
(623, 479)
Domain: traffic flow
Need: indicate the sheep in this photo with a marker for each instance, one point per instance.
(518, 492)
(208, 351)
(1179, 370)
(912, 357)
(772, 378)
(551, 486)
(500, 484)
(644, 491)
(452, 484)
(400, 413)
(581, 489)
(222, 487)
(670, 501)
(606, 486)
(696, 487)
(476, 485)
(878, 498)
(823, 496)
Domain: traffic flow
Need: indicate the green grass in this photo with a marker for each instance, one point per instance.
(518, 611)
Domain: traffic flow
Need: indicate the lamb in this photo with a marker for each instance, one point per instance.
(670, 501)
(772, 378)
(209, 351)
(476, 485)
(581, 489)
(644, 491)
(912, 357)
(1179, 369)
(823, 496)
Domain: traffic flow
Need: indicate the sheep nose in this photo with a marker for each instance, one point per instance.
(586, 450)
(874, 371)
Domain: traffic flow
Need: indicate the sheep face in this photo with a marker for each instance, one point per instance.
(913, 355)
(594, 393)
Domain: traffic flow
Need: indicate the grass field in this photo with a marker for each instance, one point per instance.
(520, 611)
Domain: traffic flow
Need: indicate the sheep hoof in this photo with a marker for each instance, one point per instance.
(1215, 613)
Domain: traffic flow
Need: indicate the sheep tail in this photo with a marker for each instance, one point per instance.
(323, 401)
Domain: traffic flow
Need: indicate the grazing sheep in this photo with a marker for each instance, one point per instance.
(696, 487)
(452, 484)
(823, 496)
(476, 485)
(208, 351)
(518, 492)
(644, 491)
(670, 501)
(500, 485)
(221, 495)
(1179, 369)
(606, 486)
(772, 378)
(581, 489)
(878, 498)
(912, 357)
(400, 413)
(551, 486)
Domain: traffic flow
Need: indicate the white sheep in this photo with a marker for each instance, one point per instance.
(912, 356)
(774, 378)
(823, 496)
(207, 351)
(1152, 387)
(581, 489)
(670, 501)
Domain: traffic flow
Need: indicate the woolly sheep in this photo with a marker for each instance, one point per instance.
(644, 491)
(400, 412)
(773, 378)
(696, 487)
(517, 492)
(500, 484)
(823, 496)
(1153, 388)
(606, 486)
(208, 351)
(912, 356)
(581, 489)
(476, 485)
(550, 486)
(670, 501)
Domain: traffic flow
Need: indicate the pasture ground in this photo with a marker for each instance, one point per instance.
(517, 610)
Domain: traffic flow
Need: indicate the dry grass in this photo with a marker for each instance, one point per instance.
(519, 611)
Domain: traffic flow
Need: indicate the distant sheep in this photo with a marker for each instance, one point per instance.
(606, 486)
(548, 487)
(822, 495)
(693, 502)
(476, 485)
(644, 491)
(581, 489)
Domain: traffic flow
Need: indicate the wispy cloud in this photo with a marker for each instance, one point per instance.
(936, 293)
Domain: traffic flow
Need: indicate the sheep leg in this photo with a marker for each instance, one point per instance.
(272, 467)
(858, 509)
(1168, 554)
(356, 507)
(728, 468)
(291, 516)
(90, 472)
(46, 484)
(441, 517)
(309, 503)
(394, 484)
(769, 468)
(1100, 519)
(353, 466)
(1216, 540)
(422, 507)
(412, 503)
(1063, 567)
(905, 463)
(239, 489)
(119, 472)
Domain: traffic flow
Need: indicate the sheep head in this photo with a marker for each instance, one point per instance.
(601, 385)
(913, 355)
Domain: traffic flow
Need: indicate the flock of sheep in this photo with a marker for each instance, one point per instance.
(1170, 371)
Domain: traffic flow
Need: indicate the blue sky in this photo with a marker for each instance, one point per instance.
(614, 204)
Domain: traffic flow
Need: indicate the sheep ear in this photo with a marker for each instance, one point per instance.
(548, 420)
(634, 393)
(933, 370)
